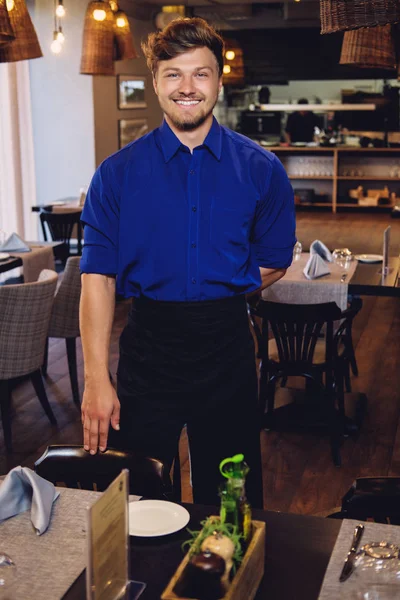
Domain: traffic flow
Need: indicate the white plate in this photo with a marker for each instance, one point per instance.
(4, 255)
(369, 258)
(150, 518)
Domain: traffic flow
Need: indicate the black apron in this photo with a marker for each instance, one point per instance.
(191, 363)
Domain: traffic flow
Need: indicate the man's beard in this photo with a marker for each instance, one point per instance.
(189, 124)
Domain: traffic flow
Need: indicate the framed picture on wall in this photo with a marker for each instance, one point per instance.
(130, 130)
(131, 92)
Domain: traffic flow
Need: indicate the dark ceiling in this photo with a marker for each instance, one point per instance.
(226, 15)
(281, 41)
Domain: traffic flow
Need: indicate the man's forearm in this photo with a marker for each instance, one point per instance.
(96, 317)
(269, 276)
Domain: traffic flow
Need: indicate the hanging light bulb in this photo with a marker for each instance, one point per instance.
(10, 5)
(60, 10)
(56, 44)
(227, 69)
(230, 55)
(99, 14)
(60, 35)
(121, 21)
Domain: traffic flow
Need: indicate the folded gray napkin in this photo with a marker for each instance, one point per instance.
(318, 247)
(315, 267)
(14, 244)
(22, 489)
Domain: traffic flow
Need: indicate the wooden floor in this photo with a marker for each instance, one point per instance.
(298, 473)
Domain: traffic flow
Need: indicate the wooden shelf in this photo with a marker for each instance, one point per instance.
(364, 178)
(318, 177)
(314, 204)
(349, 205)
(339, 149)
(298, 149)
(338, 156)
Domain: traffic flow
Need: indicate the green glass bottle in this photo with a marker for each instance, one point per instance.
(234, 506)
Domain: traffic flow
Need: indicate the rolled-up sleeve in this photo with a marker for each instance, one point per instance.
(100, 218)
(275, 224)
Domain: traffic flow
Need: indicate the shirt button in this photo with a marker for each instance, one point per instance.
(194, 208)
(193, 245)
(193, 280)
(191, 172)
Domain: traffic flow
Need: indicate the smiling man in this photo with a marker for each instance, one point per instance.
(188, 221)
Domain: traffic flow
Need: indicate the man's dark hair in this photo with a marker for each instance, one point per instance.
(302, 101)
(180, 36)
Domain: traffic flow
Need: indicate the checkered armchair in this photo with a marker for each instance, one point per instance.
(25, 311)
(64, 322)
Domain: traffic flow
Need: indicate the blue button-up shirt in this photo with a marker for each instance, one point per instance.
(179, 226)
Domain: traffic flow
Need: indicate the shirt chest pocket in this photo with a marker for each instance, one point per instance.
(229, 227)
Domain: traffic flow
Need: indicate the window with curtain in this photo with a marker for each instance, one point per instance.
(17, 169)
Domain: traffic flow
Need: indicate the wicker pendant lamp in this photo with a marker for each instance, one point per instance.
(123, 40)
(344, 15)
(6, 32)
(369, 47)
(25, 45)
(98, 40)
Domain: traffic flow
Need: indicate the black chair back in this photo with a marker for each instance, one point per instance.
(61, 226)
(372, 499)
(76, 468)
(296, 329)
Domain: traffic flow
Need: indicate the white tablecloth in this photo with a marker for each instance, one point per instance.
(48, 564)
(294, 288)
(333, 589)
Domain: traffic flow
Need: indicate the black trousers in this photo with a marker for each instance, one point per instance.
(191, 364)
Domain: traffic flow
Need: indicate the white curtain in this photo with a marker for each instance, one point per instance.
(17, 168)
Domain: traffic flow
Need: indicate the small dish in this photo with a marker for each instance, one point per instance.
(4, 255)
(152, 518)
(369, 258)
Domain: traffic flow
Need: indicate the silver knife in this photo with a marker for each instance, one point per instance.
(348, 566)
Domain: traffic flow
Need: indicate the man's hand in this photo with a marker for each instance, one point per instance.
(100, 406)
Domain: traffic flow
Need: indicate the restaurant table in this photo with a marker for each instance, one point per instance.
(298, 550)
(17, 258)
(368, 281)
(64, 205)
(363, 279)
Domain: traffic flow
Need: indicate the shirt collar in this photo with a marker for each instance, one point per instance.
(170, 144)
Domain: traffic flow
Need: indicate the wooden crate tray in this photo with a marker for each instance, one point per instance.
(248, 577)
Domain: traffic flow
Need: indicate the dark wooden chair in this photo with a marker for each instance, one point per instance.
(76, 468)
(303, 344)
(60, 227)
(372, 498)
